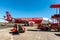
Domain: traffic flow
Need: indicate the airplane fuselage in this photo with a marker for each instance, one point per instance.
(36, 20)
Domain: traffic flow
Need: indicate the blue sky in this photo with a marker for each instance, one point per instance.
(27, 8)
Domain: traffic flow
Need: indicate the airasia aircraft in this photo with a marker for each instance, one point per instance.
(27, 21)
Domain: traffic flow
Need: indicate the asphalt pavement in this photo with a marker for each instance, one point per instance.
(31, 34)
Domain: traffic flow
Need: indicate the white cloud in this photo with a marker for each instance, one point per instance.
(1, 20)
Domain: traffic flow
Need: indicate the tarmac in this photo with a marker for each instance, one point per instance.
(31, 33)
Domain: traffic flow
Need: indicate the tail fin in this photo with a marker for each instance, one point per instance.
(8, 17)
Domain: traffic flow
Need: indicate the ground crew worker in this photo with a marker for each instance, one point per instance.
(14, 30)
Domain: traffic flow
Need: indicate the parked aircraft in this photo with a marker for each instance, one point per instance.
(27, 21)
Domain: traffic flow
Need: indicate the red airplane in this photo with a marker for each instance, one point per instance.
(27, 21)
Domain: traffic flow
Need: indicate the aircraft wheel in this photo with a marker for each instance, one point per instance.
(45, 29)
(49, 29)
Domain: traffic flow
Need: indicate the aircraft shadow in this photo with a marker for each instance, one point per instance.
(39, 30)
(57, 35)
(31, 30)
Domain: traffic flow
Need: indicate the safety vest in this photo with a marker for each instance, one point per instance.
(14, 29)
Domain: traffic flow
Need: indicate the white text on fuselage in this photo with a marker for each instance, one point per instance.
(31, 18)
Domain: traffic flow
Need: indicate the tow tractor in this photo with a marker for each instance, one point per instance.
(17, 28)
(56, 17)
(54, 25)
(45, 26)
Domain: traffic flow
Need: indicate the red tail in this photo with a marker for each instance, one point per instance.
(8, 17)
